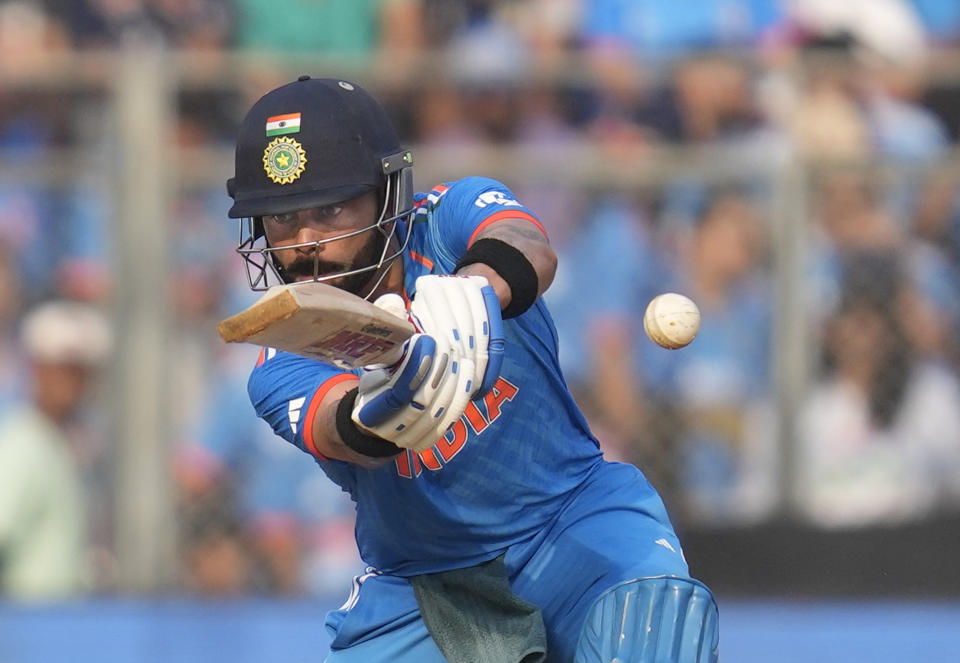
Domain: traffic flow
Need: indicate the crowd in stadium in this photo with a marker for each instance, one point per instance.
(878, 430)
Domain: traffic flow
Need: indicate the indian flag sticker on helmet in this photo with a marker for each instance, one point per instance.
(284, 160)
(283, 124)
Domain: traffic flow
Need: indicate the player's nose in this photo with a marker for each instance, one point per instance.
(308, 236)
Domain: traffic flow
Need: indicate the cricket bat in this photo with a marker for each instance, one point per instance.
(319, 321)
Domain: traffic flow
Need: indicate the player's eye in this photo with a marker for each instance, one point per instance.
(329, 211)
(282, 219)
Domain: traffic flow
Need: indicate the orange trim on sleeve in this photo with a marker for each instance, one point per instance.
(318, 397)
(504, 215)
(260, 359)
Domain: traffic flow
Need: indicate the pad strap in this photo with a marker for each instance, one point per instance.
(353, 437)
(512, 266)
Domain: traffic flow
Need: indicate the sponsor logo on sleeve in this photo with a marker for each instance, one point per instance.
(495, 198)
(294, 408)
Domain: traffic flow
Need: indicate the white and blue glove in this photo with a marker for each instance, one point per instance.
(457, 357)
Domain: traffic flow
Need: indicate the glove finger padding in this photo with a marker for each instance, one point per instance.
(414, 404)
(444, 398)
(466, 310)
(440, 399)
(496, 342)
(383, 405)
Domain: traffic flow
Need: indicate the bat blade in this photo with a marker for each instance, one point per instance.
(319, 321)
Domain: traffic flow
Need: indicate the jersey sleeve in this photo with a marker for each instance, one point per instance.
(465, 208)
(286, 391)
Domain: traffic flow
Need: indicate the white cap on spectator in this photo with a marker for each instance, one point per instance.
(491, 54)
(890, 28)
(66, 332)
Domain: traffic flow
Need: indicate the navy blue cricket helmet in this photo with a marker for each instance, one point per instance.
(309, 143)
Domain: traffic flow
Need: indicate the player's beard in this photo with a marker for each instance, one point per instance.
(303, 268)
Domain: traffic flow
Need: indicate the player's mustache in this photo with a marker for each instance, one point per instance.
(305, 267)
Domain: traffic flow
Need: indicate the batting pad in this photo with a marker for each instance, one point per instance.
(662, 619)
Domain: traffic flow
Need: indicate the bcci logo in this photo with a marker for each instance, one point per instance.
(284, 160)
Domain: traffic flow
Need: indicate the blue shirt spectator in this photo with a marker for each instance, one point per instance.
(656, 29)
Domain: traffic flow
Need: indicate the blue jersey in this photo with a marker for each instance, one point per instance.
(503, 471)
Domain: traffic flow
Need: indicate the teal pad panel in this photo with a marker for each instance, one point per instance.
(663, 619)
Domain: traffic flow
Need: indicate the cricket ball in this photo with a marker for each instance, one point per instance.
(671, 320)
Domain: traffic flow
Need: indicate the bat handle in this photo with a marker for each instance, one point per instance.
(394, 354)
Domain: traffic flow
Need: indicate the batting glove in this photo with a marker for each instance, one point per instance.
(457, 357)
(465, 310)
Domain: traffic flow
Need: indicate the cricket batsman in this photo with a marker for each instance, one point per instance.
(494, 530)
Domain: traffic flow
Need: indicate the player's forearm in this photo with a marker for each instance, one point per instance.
(495, 280)
(526, 238)
(328, 440)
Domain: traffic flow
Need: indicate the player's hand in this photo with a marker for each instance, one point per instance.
(413, 403)
(465, 311)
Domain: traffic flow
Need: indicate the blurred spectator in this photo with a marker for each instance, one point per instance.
(190, 24)
(936, 217)
(932, 268)
(901, 128)
(441, 120)
(344, 28)
(879, 436)
(849, 208)
(24, 210)
(196, 24)
(549, 27)
(214, 550)
(70, 260)
(889, 29)
(80, 220)
(488, 60)
(698, 421)
(620, 89)
(849, 219)
(545, 138)
(200, 296)
(712, 399)
(29, 27)
(658, 30)
(865, 69)
(597, 326)
(903, 131)
(259, 517)
(709, 101)
(43, 541)
(488, 50)
(940, 19)
(10, 358)
(106, 23)
(823, 117)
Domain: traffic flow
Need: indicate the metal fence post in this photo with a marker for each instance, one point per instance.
(792, 342)
(145, 522)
